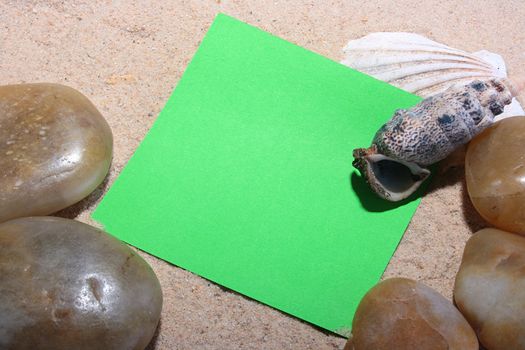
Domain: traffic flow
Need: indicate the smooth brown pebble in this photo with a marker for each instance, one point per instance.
(490, 288)
(402, 314)
(55, 149)
(66, 285)
(495, 174)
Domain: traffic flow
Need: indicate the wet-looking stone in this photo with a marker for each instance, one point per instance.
(55, 149)
(495, 174)
(66, 285)
(401, 314)
(490, 288)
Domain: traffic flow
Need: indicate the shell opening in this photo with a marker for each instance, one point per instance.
(391, 179)
(394, 176)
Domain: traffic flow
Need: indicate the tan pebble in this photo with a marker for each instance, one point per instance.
(401, 314)
(490, 288)
(495, 174)
(45, 124)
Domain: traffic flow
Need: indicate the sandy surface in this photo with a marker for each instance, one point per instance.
(128, 56)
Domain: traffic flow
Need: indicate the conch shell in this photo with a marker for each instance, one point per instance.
(423, 67)
(394, 165)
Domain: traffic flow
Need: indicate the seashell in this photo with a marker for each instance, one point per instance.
(394, 165)
(422, 66)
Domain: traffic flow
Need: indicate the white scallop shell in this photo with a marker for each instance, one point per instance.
(421, 66)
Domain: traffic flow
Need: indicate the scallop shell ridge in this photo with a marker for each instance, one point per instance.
(422, 66)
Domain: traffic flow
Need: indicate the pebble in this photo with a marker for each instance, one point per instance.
(401, 314)
(67, 285)
(490, 288)
(55, 149)
(495, 174)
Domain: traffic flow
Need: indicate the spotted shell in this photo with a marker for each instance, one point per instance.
(430, 131)
(427, 133)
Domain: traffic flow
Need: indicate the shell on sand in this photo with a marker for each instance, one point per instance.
(421, 66)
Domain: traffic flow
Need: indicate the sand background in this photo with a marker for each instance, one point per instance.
(127, 57)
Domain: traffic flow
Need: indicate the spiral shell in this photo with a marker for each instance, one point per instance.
(439, 124)
(427, 133)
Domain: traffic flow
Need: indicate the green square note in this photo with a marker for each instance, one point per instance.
(246, 177)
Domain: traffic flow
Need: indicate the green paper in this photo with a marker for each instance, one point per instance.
(246, 177)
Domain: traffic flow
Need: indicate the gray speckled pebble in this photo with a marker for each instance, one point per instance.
(67, 285)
